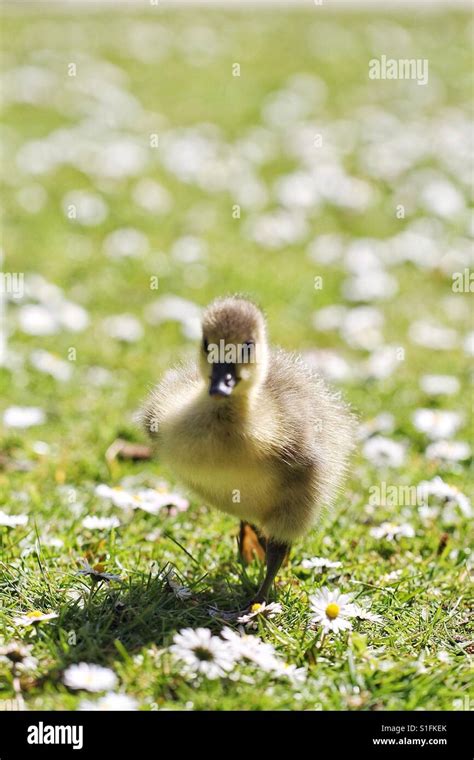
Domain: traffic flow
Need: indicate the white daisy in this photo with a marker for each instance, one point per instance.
(89, 677)
(31, 618)
(319, 563)
(383, 452)
(363, 613)
(12, 521)
(448, 451)
(23, 416)
(251, 648)
(437, 423)
(119, 497)
(110, 701)
(257, 610)
(292, 672)
(18, 656)
(202, 653)
(100, 523)
(181, 592)
(331, 610)
(438, 491)
(97, 572)
(390, 531)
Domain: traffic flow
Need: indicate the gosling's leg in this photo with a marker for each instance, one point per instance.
(251, 543)
(276, 553)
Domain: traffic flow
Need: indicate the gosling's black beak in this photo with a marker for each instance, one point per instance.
(222, 379)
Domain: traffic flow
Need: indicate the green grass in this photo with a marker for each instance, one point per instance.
(129, 626)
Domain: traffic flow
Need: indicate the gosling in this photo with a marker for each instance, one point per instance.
(252, 431)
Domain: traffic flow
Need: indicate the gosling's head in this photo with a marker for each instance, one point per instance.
(233, 352)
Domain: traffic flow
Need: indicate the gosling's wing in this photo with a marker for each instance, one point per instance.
(168, 395)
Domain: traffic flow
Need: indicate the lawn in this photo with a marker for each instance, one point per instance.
(153, 154)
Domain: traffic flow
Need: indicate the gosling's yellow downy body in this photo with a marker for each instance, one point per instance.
(252, 431)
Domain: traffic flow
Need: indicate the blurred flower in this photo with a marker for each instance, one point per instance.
(383, 452)
(110, 701)
(84, 208)
(175, 309)
(439, 385)
(361, 327)
(329, 318)
(370, 285)
(34, 617)
(89, 677)
(12, 521)
(23, 416)
(50, 364)
(251, 648)
(126, 242)
(152, 197)
(382, 423)
(437, 423)
(440, 492)
(319, 563)
(100, 523)
(188, 249)
(448, 451)
(432, 336)
(202, 653)
(37, 320)
(278, 228)
(124, 327)
(18, 655)
(328, 364)
(468, 344)
(390, 531)
(441, 197)
(262, 610)
(148, 499)
(326, 250)
(383, 361)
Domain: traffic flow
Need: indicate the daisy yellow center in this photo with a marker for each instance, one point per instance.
(332, 610)
(255, 607)
(34, 614)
